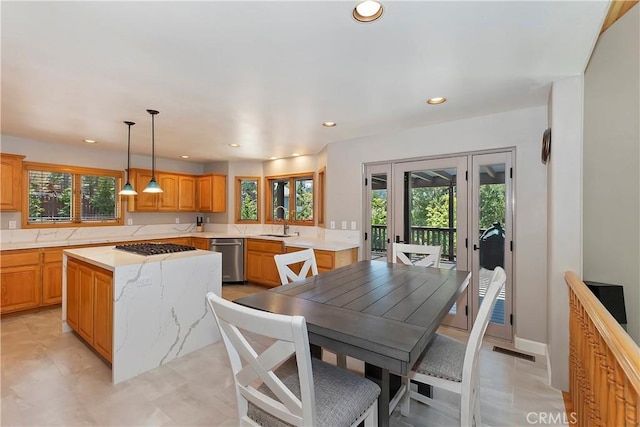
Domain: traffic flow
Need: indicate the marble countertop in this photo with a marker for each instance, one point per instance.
(295, 241)
(110, 258)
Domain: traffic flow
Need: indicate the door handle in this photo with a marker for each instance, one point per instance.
(475, 247)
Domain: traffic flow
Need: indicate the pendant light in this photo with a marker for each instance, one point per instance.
(128, 190)
(152, 186)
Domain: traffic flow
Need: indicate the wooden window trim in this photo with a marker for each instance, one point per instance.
(238, 202)
(291, 178)
(77, 172)
(322, 183)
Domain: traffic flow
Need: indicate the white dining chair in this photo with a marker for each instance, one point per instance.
(283, 385)
(452, 365)
(283, 262)
(402, 252)
(308, 259)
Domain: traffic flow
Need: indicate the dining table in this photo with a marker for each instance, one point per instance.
(381, 313)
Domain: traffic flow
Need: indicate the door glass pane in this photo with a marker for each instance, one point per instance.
(430, 211)
(491, 221)
(379, 208)
(304, 199)
(98, 198)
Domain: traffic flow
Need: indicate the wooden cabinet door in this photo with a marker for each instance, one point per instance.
(270, 274)
(52, 277)
(260, 264)
(203, 193)
(103, 314)
(86, 293)
(10, 182)
(73, 294)
(187, 193)
(20, 278)
(211, 193)
(142, 202)
(200, 243)
(168, 199)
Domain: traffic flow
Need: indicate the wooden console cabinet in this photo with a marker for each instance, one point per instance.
(90, 305)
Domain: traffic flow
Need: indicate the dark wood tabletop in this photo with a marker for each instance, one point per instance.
(381, 313)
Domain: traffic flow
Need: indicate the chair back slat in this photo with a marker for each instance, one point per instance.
(252, 367)
(401, 252)
(284, 261)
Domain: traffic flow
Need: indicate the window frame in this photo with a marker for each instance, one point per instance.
(76, 192)
(322, 181)
(292, 179)
(238, 199)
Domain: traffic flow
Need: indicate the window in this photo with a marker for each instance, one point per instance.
(247, 199)
(294, 193)
(321, 196)
(65, 195)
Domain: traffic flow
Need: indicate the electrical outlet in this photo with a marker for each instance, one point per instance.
(344, 225)
(207, 220)
(332, 225)
(12, 225)
(130, 221)
(353, 225)
(177, 220)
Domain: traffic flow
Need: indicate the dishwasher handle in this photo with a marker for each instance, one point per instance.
(225, 244)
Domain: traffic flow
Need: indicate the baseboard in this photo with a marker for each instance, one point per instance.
(530, 346)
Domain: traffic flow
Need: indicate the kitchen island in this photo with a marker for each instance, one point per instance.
(139, 312)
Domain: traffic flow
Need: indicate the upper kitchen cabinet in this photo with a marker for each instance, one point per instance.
(212, 193)
(142, 202)
(168, 199)
(10, 182)
(187, 193)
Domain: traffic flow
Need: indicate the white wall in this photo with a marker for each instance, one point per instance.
(521, 129)
(611, 165)
(564, 176)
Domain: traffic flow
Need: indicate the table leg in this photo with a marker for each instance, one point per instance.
(389, 386)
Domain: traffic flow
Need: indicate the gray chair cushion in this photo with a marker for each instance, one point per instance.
(443, 358)
(341, 396)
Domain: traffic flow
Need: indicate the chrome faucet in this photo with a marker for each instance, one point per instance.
(285, 226)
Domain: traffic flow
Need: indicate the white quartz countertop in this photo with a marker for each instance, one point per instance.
(108, 257)
(295, 241)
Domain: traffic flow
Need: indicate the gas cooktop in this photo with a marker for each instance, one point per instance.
(154, 248)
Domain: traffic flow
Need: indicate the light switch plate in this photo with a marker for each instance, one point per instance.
(353, 225)
(344, 225)
(332, 225)
(177, 220)
(207, 220)
(130, 221)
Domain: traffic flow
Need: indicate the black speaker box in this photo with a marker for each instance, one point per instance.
(612, 297)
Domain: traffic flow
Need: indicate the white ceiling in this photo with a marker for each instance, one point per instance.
(266, 74)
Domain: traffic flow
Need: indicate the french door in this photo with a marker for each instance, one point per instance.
(462, 204)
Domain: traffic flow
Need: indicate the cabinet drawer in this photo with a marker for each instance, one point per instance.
(324, 259)
(53, 255)
(20, 257)
(259, 245)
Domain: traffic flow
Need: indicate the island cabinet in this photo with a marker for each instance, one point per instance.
(212, 193)
(261, 267)
(10, 182)
(90, 305)
(20, 277)
(329, 260)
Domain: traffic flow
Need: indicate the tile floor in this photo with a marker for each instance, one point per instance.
(49, 378)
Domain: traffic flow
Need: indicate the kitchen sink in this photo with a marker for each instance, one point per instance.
(277, 235)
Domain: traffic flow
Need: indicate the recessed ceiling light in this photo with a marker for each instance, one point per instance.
(273, 158)
(184, 157)
(367, 11)
(436, 100)
(295, 154)
(90, 141)
(234, 145)
(329, 124)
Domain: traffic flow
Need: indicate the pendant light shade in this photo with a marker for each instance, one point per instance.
(128, 190)
(152, 186)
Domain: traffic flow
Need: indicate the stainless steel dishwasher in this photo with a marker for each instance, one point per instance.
(232, 258)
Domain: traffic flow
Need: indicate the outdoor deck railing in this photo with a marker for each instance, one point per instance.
(604, 363)
(433, 236)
